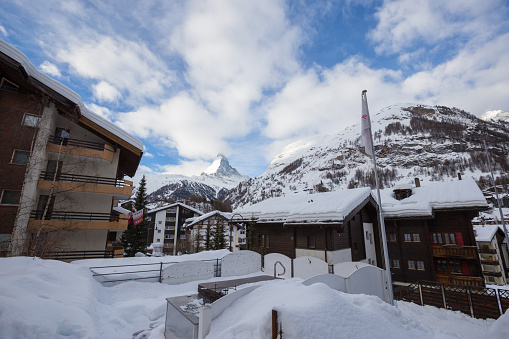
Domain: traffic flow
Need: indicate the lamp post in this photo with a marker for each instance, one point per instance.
(231, 227)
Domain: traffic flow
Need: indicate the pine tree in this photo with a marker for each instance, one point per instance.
(208, 239)
(197, 240)
(219, 238)
(134, 239)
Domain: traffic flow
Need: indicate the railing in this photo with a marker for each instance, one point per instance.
(487, 251)
(492, 274)
(76, 143)
(77, 255)
(490, 262)
(65, 215)
(461, 280)
(469, 252)
(86, 179)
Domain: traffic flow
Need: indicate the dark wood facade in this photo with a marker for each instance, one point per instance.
(287, 238)
(441, 248)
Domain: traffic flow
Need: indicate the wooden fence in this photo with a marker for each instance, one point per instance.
(478, 302)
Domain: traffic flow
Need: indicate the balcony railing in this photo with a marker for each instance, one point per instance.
(82, 216)
(461, 280)
(77, 143)
(494, 262)
(492, 274)
(454, 251)
(487, 251)
(86, 179)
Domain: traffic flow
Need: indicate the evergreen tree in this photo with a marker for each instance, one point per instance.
(219, 238)
(208, 239)
(134, 239)
(252, 240)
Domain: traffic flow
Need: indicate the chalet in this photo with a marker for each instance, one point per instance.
(62, 165)
(333, 226)
(493, 253)
(234, 236)
(430, 234)
(167, 227)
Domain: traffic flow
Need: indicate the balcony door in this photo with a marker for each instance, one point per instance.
(43, 200)
(51, 168)
(61, 136)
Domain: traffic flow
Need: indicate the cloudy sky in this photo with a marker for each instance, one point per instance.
(246, 77)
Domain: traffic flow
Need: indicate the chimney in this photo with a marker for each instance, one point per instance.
(459, 176)
(417, 182)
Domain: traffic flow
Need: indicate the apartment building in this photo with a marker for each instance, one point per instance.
(62, 166)
(493, 253)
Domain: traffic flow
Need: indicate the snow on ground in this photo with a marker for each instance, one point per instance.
(52, 299)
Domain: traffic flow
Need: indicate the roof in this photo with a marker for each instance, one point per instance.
(165, 207)
(195, 220)
(485, 232)
(63, 90)
(121, 210)
(459, 194)
(328, 207)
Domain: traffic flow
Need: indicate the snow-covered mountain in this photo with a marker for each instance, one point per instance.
(213, 183)
(429, 142)
(497, 115)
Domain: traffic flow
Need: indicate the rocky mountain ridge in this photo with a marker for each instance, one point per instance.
(430, 142)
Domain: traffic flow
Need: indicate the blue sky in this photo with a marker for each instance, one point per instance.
(245, 78)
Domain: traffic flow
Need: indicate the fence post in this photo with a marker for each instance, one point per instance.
(499, 302)
(292, 268)
(469, 296)
(420, 293)
(443, 295)
(274, 324)
(161, 272)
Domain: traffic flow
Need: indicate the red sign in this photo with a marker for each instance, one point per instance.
(138, 217)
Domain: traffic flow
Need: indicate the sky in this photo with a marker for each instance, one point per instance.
(192, 79)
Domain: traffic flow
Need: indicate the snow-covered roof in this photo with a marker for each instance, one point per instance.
(329, 207)
(438, 195)
(485, 232)
(58, 87)
(121, 210)
(165, 207)
(195, 220)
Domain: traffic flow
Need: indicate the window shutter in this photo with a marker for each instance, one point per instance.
(431, 239)
(464, 268)
(459, 238)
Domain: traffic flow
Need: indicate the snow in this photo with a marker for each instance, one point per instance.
(306, 208)
(438, 195)
(52, 299)
(32, 71)
(196, 220)
(497, 115)
(485, 232)
(165, 207)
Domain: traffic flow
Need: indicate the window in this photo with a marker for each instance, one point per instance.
(168, 236)
(411, 264)
(158, 231)
(420, 265)
(447, 238)
(158, 240)
(170, 218)
(242, 232)
(416, 237)
(311, 241)
(408, 237)
(392, 237)
(10, 197)
(31, 120)
(242, 240)
(8, 85)
(367, 235)
(170, 228)
(20, 157)
(395, 263)
(160, 222)
(171, 210)
(449, 266)
(264, 240)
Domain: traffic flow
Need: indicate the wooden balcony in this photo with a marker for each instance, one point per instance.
(81, 148)
(79, 221)
(120, 189)
(487, 261)
(454, 251)
(487, 251)
(461, 280)
(492, 274)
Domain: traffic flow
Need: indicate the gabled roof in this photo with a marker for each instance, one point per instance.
(459, 194)
(300, 208)
(87, 118)
(165, 207)
(196, 220)
(487, 232)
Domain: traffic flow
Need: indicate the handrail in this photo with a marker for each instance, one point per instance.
(76, 143)
(66, 215)
(284, 269)
(86, 179)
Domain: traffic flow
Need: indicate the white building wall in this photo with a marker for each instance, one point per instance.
(369, 241)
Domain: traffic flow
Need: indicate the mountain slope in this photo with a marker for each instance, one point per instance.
(433, 143)
(213, 183)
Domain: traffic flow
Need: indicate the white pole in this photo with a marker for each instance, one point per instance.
(388, 276)
(496, 192)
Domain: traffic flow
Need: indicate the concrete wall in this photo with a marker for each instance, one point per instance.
(81, 240)
(305, 252)
(306, 267)
(269, 261)
(369, 243)
(344, 255)
(368, 280)
(240, 263)
(188, 271)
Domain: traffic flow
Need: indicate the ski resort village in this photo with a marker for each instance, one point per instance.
(254, 169)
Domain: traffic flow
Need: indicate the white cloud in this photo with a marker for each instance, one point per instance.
(402, 23)
(3, 31)
(49, 68)
(100, 110)
(190, 168)
(105, 92)
(148, 155)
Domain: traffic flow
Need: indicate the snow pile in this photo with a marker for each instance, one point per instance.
(440, 195)
(301, 207)
(317, 311)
